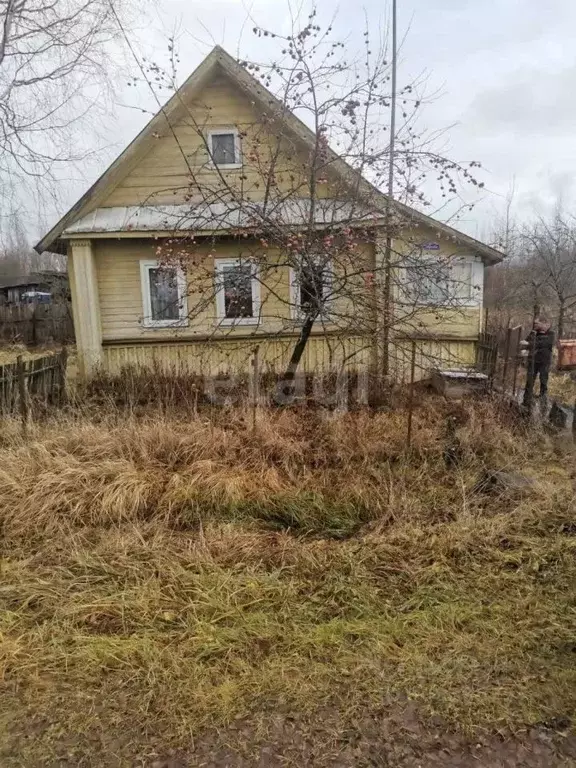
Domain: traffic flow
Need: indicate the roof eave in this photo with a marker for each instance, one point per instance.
(219, 57)
(167, 110)
(489, 255)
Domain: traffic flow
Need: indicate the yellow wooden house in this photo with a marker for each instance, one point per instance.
(132, 306)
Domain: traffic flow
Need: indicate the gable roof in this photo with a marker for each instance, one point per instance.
(165, 117)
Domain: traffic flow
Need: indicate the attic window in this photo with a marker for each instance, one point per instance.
(224, 146)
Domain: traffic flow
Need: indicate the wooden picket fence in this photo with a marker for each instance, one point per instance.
(28, 384)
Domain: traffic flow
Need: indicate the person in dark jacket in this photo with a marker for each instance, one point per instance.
(540, 346)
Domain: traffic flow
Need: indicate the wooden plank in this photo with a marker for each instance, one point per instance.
(24, 413)
(5, 387)
(41, 322)
(44, 379)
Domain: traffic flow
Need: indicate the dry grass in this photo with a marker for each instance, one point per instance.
(160, 575)
(562, 387)
(10, 352)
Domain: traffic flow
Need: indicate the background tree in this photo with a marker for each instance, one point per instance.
(17, 258)
(539, 273)
(56, 57)
(551, 255)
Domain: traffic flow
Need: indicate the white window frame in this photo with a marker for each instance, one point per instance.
(423, 261)
(219, 265)
(237, 148)
(147, 322)
(476, 281)
(295, 298)
(475, 294)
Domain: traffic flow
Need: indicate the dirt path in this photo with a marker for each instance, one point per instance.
(399, 740)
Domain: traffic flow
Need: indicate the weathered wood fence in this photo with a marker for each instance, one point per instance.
(28, 384)
(487, 353)
(33, 324)
(498, 356)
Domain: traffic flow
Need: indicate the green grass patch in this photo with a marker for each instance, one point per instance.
(192, 598)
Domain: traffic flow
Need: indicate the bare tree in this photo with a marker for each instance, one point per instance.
(517, 290)
(307, 201)
(18, 258)
(551, 258)
(513, 287)
(55, 59)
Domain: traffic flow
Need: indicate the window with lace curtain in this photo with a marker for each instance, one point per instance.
(237, 292)
(163, 295)
(439, 282)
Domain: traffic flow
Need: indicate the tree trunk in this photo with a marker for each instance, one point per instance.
(561, 317)
(286, 384)
(535, 311)
(33, 324)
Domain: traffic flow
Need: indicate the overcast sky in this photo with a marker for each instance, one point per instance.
(504, 75)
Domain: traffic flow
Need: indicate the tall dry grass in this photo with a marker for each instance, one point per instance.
(307, 471)
(161, 574)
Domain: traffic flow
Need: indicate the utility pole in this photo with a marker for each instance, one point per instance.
(390, 197)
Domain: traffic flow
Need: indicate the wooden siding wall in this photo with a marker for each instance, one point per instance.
(430, 353)
(119, 286)
(121, 307)
(463, 322)
(322, 354)
(466, 321)
(164, 174)
(229, 356)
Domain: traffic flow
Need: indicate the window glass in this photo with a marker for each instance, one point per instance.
(313, 282)
(462, 280)
(164, 300)
(237, 287)
(428, 282)
(224, 148)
